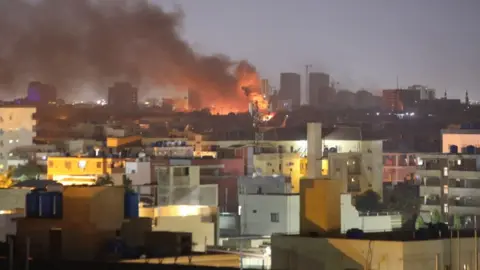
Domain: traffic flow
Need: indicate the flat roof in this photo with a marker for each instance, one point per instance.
(394, 236)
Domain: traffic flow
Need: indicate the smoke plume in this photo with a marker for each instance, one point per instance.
(73, 42)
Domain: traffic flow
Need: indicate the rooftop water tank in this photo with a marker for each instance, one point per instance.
(470, 149)
(131, 202)
(453, 149)
(51, 204)
(32, 205)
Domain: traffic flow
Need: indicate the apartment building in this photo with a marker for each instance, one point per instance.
(399, 167)
(450, 184)
(17, 128)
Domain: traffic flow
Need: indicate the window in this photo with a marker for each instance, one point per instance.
(10, 141)
(274, 217)
(99, 165)
(50, 164)
(445, 208)
(82, 164)
(445, 189)
(68, 164)
(445, 171)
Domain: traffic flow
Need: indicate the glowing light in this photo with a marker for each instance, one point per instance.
(188, 210)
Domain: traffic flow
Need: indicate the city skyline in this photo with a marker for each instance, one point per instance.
(363, 46)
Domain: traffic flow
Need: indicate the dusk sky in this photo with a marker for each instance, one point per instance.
(362, 44)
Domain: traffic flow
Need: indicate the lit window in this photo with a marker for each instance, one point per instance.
(420, 162)
(10, 141)
(445, 171)
(445, 208)
(445, 189)
(17, 140)
(459, 162)
(82, 164)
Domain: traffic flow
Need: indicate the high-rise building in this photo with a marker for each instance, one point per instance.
(123, 95)
(425, 92)
(265, 87)
(194, 101)
(41, 94)
(290, 90)
(319, 91)
(399, 100)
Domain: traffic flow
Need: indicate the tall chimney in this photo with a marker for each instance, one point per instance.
(315, 150)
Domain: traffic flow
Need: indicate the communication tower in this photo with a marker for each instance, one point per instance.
(254, 111)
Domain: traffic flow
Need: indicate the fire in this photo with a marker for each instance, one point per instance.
(248, 77)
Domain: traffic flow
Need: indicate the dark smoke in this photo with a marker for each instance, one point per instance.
(73, 42)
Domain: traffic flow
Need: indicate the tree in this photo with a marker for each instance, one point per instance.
(436, 217)
(419, 223)
(27, 171)
(105, 180)
(127, 183)
(368, 201)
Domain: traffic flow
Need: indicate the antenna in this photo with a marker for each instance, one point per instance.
(307, 90)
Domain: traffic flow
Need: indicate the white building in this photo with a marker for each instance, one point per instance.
(17, 128)
(367, 222)
(264, 184)
(266, 214)
(348, 155)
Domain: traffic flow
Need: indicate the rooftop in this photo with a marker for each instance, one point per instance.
(395, 236)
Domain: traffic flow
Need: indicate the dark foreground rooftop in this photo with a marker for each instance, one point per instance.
(397, 236)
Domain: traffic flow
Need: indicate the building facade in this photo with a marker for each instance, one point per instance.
(399, 100)
(123, 96)
(266, 214)
(17, 128)
(450, 185)
(319, 93)
(290, 90)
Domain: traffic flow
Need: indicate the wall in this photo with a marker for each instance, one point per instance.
(288, 164)
(264, 184)
(257, 210)
(310, 253)
(17, 129)
(140, 173)
(12, 198)
(351, 219)
(200, 221)
(319, 205)
(460, 139)
(64, 166)
(8, 225)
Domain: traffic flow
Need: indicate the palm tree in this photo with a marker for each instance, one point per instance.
(105, 180)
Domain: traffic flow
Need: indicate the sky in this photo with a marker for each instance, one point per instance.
(361, 43)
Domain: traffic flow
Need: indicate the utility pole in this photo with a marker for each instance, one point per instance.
(307, 90)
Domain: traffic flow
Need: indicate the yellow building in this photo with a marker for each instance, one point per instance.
(82, 170)
(287, 164)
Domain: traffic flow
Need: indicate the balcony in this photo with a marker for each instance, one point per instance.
(464, 210)
(429, 208)
(430, 190)
(455, 173)
(422, 171)
(463, 192)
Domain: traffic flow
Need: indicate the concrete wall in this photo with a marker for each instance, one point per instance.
(351, 219)
(309, 253)
(203, 233)
(304, 253)
(319, 206)
(11, 198)
(259, 214)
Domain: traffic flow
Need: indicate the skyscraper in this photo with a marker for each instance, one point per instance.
(290, 90)
(123, 96)
(319, 90)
